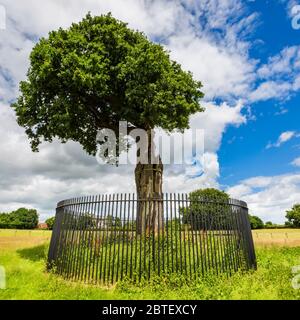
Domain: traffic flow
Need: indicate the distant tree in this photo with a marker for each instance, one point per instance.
(24, 218)
(269, 224)
(256, 222)
(288, 224)
(20, 219)
(5, 220)
(209, 194)
(204, 209)
(293, 216)
(50, 223)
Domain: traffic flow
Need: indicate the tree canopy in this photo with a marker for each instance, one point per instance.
(50, 223)
(256, 222)
(208, 209)
(209, 194)
(97, 73)
(20, 219)
(293, 216)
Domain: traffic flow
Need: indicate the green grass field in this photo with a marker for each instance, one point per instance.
(23, 254)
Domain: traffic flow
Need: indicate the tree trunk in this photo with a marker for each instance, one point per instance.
(148, 179)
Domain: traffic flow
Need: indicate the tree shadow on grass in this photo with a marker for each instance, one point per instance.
(34, 254)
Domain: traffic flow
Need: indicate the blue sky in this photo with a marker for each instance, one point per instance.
(243, 152)
(247, 56)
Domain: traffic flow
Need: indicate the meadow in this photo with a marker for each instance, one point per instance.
(23, 255)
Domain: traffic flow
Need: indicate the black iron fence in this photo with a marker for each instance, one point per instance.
(104, 238)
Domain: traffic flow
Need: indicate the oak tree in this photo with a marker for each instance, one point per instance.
(99, 72)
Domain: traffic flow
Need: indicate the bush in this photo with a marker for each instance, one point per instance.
(20, 219)
(5, 221)
(271, 225)
(288, 224)
(293, 216)
(256, 222)
(50, 223)
(208, 209)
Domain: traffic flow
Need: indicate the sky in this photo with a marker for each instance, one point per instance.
(246, 54)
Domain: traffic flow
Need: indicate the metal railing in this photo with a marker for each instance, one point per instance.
(105, 238)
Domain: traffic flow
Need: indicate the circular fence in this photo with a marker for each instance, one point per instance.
(106, 238)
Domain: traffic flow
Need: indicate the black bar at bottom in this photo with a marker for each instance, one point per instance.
(144, 309)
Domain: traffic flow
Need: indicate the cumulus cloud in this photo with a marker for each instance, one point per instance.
(296, 162)
(176, 181)
(279, 77)
(223, 74)
(281, 64)
(270, 90)
(215, 120)
(284, 137)
(269, 197)
(219, 59)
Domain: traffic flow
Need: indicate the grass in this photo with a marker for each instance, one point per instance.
(23, 255)
(279, 237)
(14, 239)
(94, 257)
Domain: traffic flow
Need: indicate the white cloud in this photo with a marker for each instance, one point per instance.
(296, 162)
(239, 191)
(270, 89)
(179, 182)
(14, 52)
(296, 84)
(155, 18)
(259, 182)
(222, 73)
(279, 77)
(219, 59)
(284, 137)
(269, 197)
(215, 120)
(283, 63)
(281, 111)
